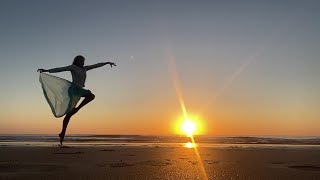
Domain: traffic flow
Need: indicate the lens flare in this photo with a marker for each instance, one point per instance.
(188, 127)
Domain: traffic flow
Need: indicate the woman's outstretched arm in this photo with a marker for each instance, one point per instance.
(87, 68)
(55, 70)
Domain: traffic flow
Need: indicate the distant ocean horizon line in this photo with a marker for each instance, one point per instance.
(118, 134)
(126, 139)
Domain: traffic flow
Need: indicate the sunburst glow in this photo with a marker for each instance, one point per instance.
(191, 126)
(188, 127)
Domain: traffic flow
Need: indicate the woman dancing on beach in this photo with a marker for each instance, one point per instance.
(76, 90)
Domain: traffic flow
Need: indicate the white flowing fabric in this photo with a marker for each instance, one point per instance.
(57, 92)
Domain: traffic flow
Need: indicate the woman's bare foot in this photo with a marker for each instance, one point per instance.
(61, 138)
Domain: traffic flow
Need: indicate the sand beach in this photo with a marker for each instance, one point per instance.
(157, 162)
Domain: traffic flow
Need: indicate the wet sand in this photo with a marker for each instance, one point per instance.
(144, 162)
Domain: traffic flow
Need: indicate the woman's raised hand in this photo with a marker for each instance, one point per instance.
(42, 70)
(111, 63)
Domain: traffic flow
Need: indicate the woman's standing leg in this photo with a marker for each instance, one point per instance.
(64, 126)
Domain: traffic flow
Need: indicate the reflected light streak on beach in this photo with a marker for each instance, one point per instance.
(175, 79)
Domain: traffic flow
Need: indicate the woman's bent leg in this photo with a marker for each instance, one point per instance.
(87, 98)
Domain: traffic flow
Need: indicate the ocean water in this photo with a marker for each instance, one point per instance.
(174, 140)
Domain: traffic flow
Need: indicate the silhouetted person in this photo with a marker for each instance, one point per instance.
(78, 72)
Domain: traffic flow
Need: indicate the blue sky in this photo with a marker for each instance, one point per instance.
(210, 40)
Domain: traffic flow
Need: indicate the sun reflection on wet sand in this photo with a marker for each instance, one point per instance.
(189, 145)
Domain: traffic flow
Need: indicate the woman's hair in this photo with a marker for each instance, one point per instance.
(77, 60)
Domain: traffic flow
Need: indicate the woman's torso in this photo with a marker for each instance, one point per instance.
(79, 75)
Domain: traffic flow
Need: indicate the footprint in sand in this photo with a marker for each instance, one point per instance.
(120, 164)
(128, 155)
(165, 162)
(78, 152)
(183, 158)
(306, 167)
(109, 150)
(277, 162)
(193, 162)
(116, 164)
(123, 164)
(211, 162)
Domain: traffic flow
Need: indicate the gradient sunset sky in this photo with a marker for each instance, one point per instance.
(241, 67)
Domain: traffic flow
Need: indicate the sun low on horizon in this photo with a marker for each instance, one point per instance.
(190, 126)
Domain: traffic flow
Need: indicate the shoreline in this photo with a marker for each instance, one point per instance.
(161, 144)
